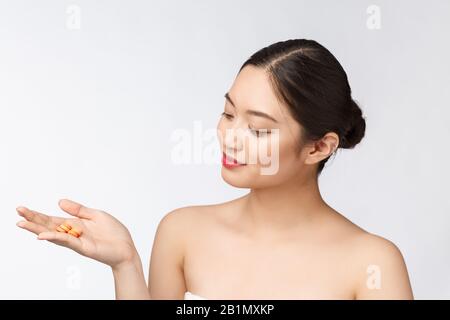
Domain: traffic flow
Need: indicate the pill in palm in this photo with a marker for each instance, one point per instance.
(59, 229)
(65, 227)
(75, 233)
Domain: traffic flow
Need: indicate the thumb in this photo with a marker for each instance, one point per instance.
(75, 209)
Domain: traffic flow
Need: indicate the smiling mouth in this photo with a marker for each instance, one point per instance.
(229, 162)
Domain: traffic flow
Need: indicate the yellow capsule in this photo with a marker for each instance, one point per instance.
(65, 227)
(74, 233)
(59, 229)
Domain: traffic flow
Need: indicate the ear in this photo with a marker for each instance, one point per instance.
(322, 148)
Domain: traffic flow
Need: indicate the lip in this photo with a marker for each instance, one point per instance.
(229, 162)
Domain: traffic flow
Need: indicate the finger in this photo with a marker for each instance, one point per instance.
(31, 226)
(61, 239)
(75, 209)
(32, 216)
(39, 218)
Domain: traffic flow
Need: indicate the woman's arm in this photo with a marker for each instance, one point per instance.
(382, 272)
(107, 240)
(129, 280)
(166, 273)
(102, 238)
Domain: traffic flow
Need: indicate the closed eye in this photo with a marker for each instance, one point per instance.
(227, 115)
(260, 132)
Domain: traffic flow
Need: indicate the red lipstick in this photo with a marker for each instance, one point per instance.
(229, 162)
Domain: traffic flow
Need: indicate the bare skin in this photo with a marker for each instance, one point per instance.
(103, 238)
(279, 241)
(320, 256)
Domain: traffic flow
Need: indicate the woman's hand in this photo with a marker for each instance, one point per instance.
(102, 238)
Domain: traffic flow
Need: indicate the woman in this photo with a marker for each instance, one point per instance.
(279, 241)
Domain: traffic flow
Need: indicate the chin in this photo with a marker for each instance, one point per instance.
(236, 177)
(246, 178)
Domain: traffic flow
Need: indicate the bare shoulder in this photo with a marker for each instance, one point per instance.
(379, 268)
(183, 221)
(179, 216)
(166, 278)
(376, 265)
(369, 246)
(361, 244)
(188, 215)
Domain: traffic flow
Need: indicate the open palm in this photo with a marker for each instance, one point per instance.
(103, 237)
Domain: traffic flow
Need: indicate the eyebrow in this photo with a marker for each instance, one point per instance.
(252, 112)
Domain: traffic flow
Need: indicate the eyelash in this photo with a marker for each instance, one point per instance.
(227, 115)
(257, 133)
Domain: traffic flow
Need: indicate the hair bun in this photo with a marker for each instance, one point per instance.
(356, 128)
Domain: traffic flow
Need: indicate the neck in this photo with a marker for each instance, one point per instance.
(282, 207)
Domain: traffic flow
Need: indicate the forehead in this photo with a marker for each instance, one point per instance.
(252, 89)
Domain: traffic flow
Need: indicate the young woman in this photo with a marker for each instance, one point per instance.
(279, 241)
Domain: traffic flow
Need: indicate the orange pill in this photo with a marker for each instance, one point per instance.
(65, 228)
(74, 233)
(59, 229)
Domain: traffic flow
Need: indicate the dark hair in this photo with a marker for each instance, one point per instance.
(311, 81)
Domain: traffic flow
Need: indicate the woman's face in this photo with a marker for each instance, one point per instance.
(257, 130)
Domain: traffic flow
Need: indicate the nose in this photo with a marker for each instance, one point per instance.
(232, 139)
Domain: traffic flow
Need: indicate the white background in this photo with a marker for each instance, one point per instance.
(88, 113)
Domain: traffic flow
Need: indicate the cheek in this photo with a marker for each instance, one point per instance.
(221, 128)
(279, 148)
(289, 153)
(276, 157)
(289, 161)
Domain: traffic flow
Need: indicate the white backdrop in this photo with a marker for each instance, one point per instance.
(92, 91)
